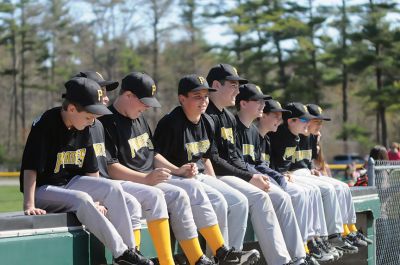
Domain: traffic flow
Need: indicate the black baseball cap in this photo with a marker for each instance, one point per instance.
(224, 72)
(317, 112)
(251, 92)
(143, 86)
(274, 106)
(96, 76)
(191, 83)
(87, 93)
(297, 110)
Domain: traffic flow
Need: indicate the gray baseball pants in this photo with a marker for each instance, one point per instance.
(79, 196)
(300, 197)
(333, 217)
(287, 219)
(163, 200)
(264, 221)
(231, 207)
(345, 199)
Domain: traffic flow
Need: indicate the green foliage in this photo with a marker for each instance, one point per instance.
(357, 133)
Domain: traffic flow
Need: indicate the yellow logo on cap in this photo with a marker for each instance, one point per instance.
(279, 104)
(153, 89)
(320, 110)
(100, 75)
(259, 89)
(100, 94)
(234, 69)
(201, 80)
(305, 109)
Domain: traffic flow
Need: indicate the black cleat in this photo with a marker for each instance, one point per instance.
(353, 239)
(326, 246)
(231, 256)
(318, 253)
(341, 244)
(310, 260)
(361, 236)
(203, 260)
(132, 257)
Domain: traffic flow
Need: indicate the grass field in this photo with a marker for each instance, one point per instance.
(10, 199)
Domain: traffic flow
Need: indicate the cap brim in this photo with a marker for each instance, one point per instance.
(242, 81)
(151, 101)
(280, 110)
(258, 97)
(306, 116)
(322, 117)
(98, 109)
(202, 88)
(109, 85)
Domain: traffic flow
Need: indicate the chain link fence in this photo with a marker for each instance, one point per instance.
(387, 180)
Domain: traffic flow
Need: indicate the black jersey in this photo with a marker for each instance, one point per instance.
(181, 141)
(313, 141)
(97, 133)
(308, 144)
(249, 147)
(286, 152)
(57, 153)
(128, 142)
(224, 156)
(266, 150)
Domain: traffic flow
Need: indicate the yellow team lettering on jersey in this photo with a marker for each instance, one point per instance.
(290, 152)
(248, 149)
(227, 134)
(265, 157)
(70, 158)
(196, 148)
(139, 142)
(99, 149)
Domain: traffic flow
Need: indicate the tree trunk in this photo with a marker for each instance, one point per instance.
(23, 62)
(15, 86)
(281, 64)
(313, 58)
(381, 107)
(344, 76)
(155, 41)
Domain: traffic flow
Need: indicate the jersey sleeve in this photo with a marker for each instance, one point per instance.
(90, 164)
(34, 156)
(164, 137)
(221, 166)
(110, 139)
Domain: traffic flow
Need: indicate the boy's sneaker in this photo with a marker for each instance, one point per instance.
(131, 257)
(203, 260)
(318, 253)
(356, 241)
(310, 260)
(339, 243)
(332, 249)
(327, 248)
(361, 236)
(232, 256)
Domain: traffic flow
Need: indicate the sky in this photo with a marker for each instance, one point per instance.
(217, 33)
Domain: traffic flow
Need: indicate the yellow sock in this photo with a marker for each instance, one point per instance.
(137, 235)
(213, 237)
(306, 248)
(192, 249)
(346, 230)
(159, 232)
(352, 228)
